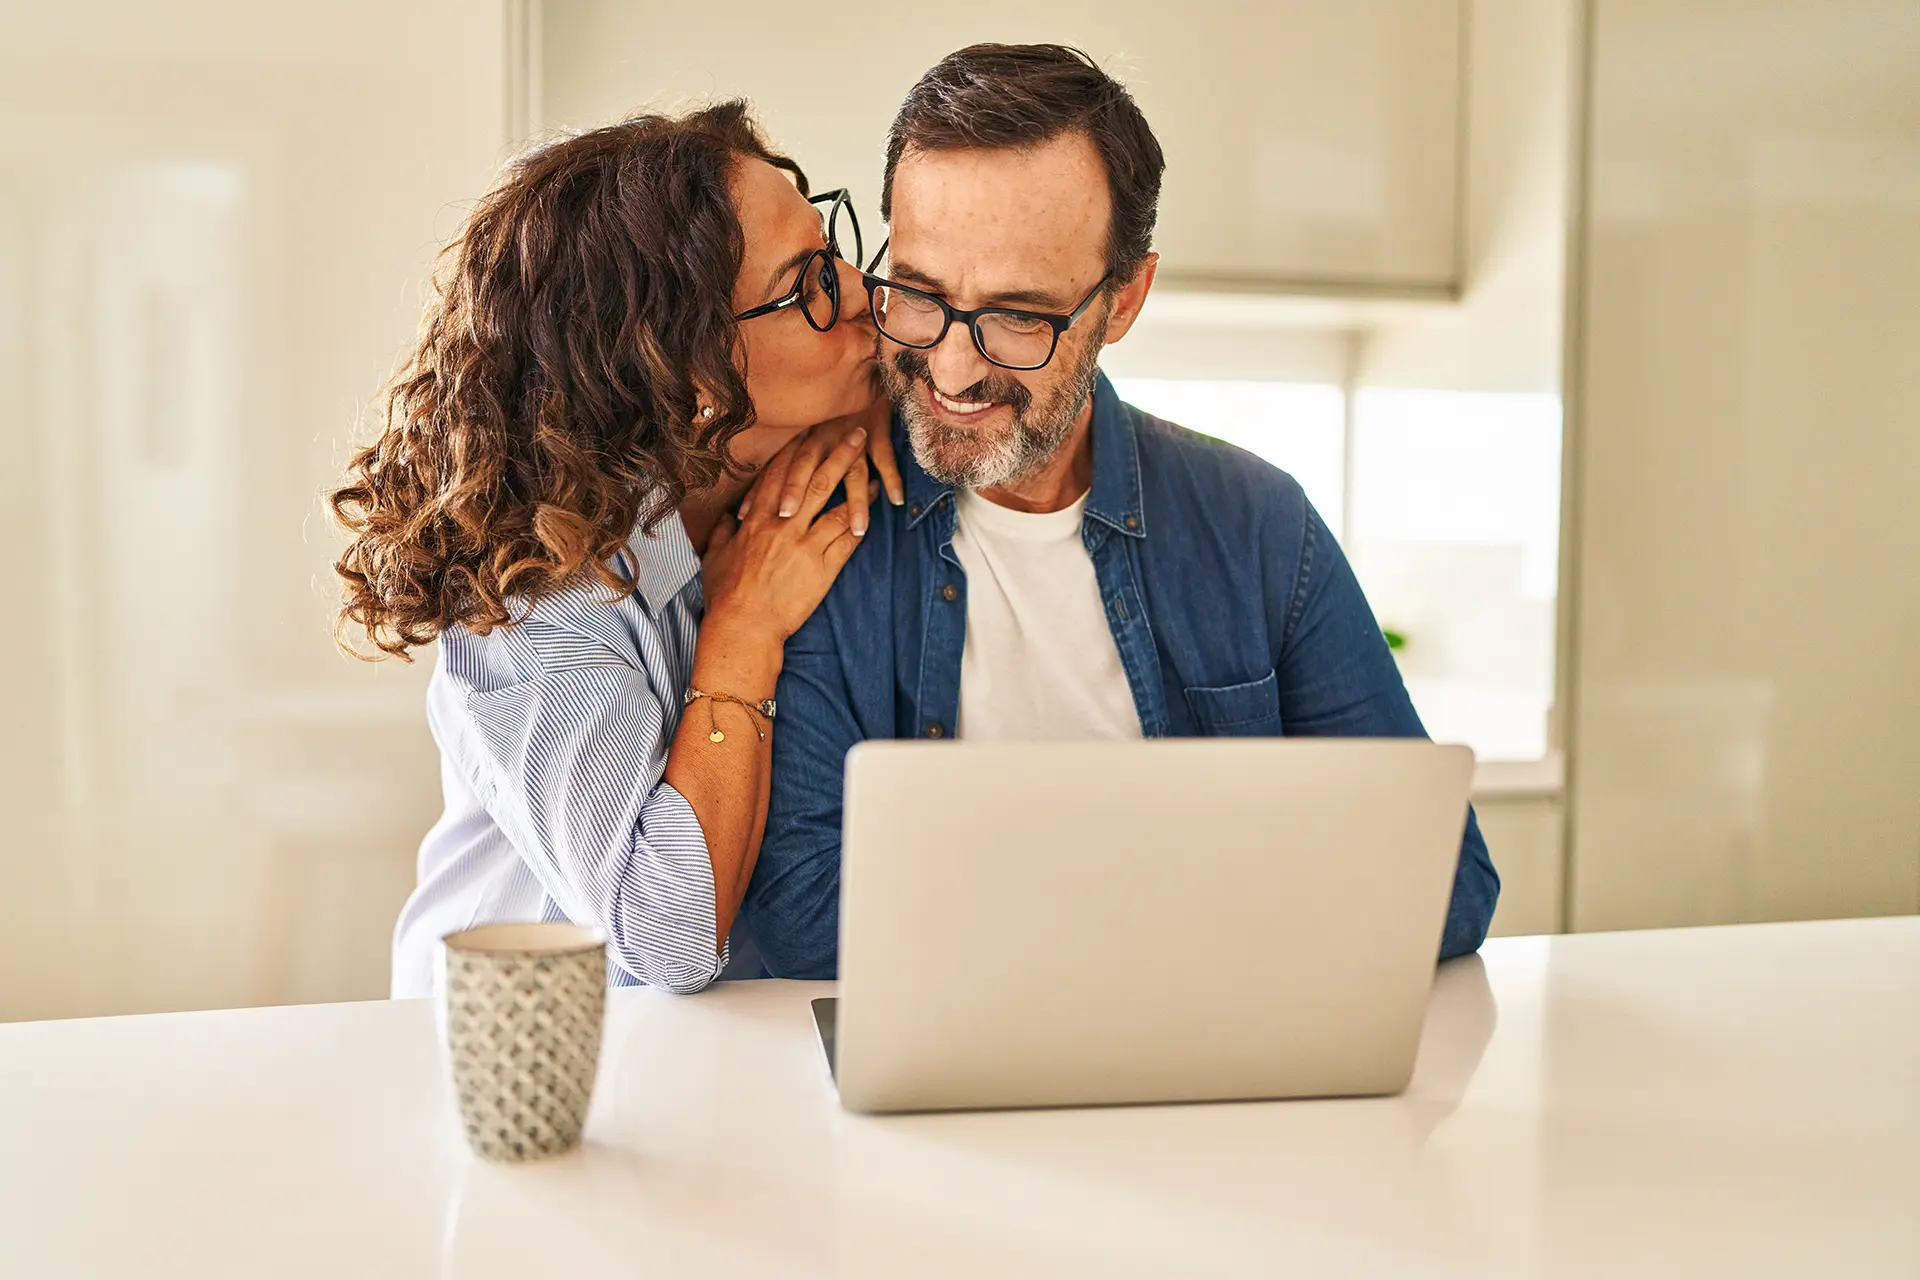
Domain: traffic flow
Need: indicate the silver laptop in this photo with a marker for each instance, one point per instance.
(1030, 925)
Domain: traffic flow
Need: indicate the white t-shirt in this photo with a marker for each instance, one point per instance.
(1040, 663)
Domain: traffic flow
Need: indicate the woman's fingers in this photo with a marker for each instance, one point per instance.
(839, 551)
(828, 475)
(832, 538)
(817, 444)
(859, 495)
(769, 482)
(831, 526)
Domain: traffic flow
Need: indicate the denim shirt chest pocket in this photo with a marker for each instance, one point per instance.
(1249, 710)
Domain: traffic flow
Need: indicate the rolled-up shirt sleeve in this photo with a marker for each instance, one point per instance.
(571, 769)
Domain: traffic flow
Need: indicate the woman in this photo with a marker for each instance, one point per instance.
(632, 322)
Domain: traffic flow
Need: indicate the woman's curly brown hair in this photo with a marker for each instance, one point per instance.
(548, 405)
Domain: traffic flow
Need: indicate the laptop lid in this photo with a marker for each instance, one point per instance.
(1175, 920)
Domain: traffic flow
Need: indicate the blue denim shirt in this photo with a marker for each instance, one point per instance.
(1233, 608)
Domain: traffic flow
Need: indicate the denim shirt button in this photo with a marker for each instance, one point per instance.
(1133, 522)
(913, 510)
(949, 594)
(934, 731)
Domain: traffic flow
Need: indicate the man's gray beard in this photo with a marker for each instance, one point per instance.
(1026, 447)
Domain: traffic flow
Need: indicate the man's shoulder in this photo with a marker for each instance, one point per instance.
(1179, 462)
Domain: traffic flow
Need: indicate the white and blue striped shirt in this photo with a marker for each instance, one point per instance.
(553, 737)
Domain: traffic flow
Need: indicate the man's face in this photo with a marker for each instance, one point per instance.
(1014, 228)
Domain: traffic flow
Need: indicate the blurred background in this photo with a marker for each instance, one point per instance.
(1590, 325)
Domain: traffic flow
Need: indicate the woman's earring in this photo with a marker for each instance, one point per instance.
(706, 412)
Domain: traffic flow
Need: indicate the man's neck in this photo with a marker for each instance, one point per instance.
(1061, 483)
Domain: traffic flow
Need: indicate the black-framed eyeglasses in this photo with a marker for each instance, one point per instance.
(1006, 336)
(816, 290)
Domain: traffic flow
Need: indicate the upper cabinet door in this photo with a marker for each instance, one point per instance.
(1311, 144)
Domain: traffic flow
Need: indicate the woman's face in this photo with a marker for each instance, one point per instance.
(796, 375)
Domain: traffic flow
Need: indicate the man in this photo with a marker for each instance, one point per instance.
(1064, 566)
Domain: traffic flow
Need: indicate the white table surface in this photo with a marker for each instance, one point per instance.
(1740, 1101)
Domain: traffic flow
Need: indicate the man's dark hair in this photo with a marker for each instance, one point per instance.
(1021, 95)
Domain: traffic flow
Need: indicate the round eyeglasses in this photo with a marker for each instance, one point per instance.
(816, 289)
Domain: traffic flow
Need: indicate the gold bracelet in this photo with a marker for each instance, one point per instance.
(764, 708)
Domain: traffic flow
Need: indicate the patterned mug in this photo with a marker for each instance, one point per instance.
(521, 1011)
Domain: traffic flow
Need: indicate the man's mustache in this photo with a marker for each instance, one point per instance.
(992, 389)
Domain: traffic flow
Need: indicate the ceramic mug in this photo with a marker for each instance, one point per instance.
(521, 1009)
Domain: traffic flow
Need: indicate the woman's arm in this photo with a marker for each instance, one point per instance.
(762, 578)
(726, 782)
(567, 754)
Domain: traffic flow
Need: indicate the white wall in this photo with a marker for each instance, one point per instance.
(215, 218)
(1745, 732)
(1310, 141)
(1505, 332)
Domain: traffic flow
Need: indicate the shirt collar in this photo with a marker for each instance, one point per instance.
(662, 562)
(1114, 497)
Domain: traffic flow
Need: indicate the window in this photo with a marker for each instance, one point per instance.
(1451, 517)
(1455, 533)
(1300, 427)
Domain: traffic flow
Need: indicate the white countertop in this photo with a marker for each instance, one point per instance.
(1738, 1101)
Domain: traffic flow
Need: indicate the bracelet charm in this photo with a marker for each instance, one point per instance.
(764, 708)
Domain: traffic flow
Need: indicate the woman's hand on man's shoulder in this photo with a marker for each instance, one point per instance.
(819, 441)
(765, 573)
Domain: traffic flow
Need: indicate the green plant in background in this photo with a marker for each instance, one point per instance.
(1396, 641)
